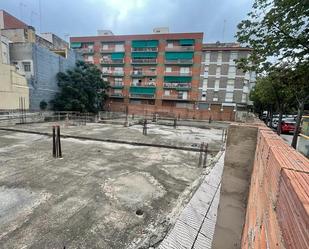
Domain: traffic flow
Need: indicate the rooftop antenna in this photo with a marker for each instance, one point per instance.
(223, 31)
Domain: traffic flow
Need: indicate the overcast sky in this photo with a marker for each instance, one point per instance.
(84, 17)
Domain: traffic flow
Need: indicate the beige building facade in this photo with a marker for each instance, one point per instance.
(13, 86)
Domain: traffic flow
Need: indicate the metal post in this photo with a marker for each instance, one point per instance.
(205, 155)
(132, 115)
(225, 135)
(25, 113)
(54, 142)
(201, 155)
(209, 121)
(175, 123)
(59, 142)
(222, 138)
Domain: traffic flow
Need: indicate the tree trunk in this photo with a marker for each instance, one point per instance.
(279, 121)
(300, 112)
(271, 117)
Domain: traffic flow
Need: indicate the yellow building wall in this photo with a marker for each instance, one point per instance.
(12, 87)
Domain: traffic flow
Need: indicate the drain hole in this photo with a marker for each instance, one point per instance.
(139, 212)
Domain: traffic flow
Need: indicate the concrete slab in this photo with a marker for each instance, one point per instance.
(90, 197)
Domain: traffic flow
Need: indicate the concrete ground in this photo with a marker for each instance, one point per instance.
(100, 195)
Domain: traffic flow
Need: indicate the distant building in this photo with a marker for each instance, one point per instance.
(222, 83)
(40, 66)
(153, 72)
(13, 86)
(171, 73)
(38, 57)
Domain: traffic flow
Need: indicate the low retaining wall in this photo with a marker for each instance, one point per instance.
(226, 114)
(277, 212)
(268, 208)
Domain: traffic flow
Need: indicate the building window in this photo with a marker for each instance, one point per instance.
(105, 79)
(27, 66)
(219, 60)
(207, 58)
(230, 86)
(206, 72)
(233, 57)
(118, 81)
(117, 91)
(215, 97)
(105, 47)
(170, 45)
(167, 92)
(244, 98)
(204, 93)
(105, 70)
(218, 72)
(184, 70)
(217, 83)
(205, 81)
(90, 58)
(119, 47)
(232, 72)
(229, 97)
(168, 69)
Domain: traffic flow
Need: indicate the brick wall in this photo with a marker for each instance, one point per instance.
(140, 109)
(278, 206)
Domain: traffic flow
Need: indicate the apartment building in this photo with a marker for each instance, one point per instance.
(13, 85)
(222, 84)
(157, 71)
(36, 57)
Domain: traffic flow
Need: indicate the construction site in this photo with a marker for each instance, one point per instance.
(71, 180)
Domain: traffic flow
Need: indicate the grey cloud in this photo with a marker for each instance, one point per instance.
(84, 17)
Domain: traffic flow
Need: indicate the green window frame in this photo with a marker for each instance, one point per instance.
(117, 56)
(142, 90)
(177, 79)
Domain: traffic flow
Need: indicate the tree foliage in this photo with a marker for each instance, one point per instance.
(81, 89)
(277, 30)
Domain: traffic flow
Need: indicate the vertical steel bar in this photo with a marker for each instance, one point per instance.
(54, 142)
(59, 142)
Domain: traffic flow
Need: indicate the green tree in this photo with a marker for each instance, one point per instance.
(278, 32)
(81, 89)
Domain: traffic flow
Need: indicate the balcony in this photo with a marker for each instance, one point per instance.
(177, 73)
(144, 61)
(143, 73)
(112, 61)
(87, 50)
(177, 86)
(117, 86)
(113, 73)
(111, 50)
(116, 95)
(149, 49)
(179, 61)
(142, 92)
(180, 48)
(174, 97)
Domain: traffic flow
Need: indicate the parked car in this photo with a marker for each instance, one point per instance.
(274, 123)
(288, 125)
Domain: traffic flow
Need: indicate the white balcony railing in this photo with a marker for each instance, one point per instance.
(144, 61)
(178, 73)
(180, 48)
(111, 50)
(180, 61)
(87, 50)
(143, 73)
(177, 85)
(155, 49)
(110, 61)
